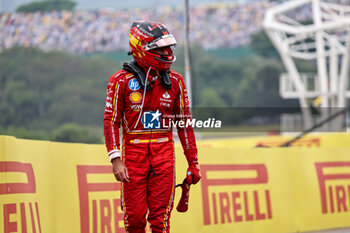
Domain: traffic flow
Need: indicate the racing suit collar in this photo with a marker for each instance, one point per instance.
(145, 67)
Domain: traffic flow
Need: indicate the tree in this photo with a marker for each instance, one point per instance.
(74, 133)
(262, 45)
(210, 98)
(48, 5)
(260, 86)
(39, 91)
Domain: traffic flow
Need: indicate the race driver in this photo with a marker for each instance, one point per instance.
(147, 98)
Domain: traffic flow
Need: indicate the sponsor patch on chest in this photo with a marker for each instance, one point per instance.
(165, 99)
(135, 97)
(134, 84)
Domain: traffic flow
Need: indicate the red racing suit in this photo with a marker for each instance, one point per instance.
(147, 144)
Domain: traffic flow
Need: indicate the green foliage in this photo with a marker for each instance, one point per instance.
(74, 133)
(262, 45)
(40, 91)
(22, 132)
(48, 5)
(260, 85)
(210, 98)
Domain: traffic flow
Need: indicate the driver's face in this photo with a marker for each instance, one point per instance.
(162, 50)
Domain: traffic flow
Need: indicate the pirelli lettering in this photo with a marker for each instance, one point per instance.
(21, 216)
(334, 184)
(98, 214)
(237, 199)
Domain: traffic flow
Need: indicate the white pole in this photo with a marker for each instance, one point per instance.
(187, 55)
(334, 73)
(321, 59)
(344, 74)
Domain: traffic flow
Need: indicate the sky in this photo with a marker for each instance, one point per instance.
(11, 5)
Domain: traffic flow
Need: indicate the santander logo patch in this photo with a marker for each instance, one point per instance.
(166, 95)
